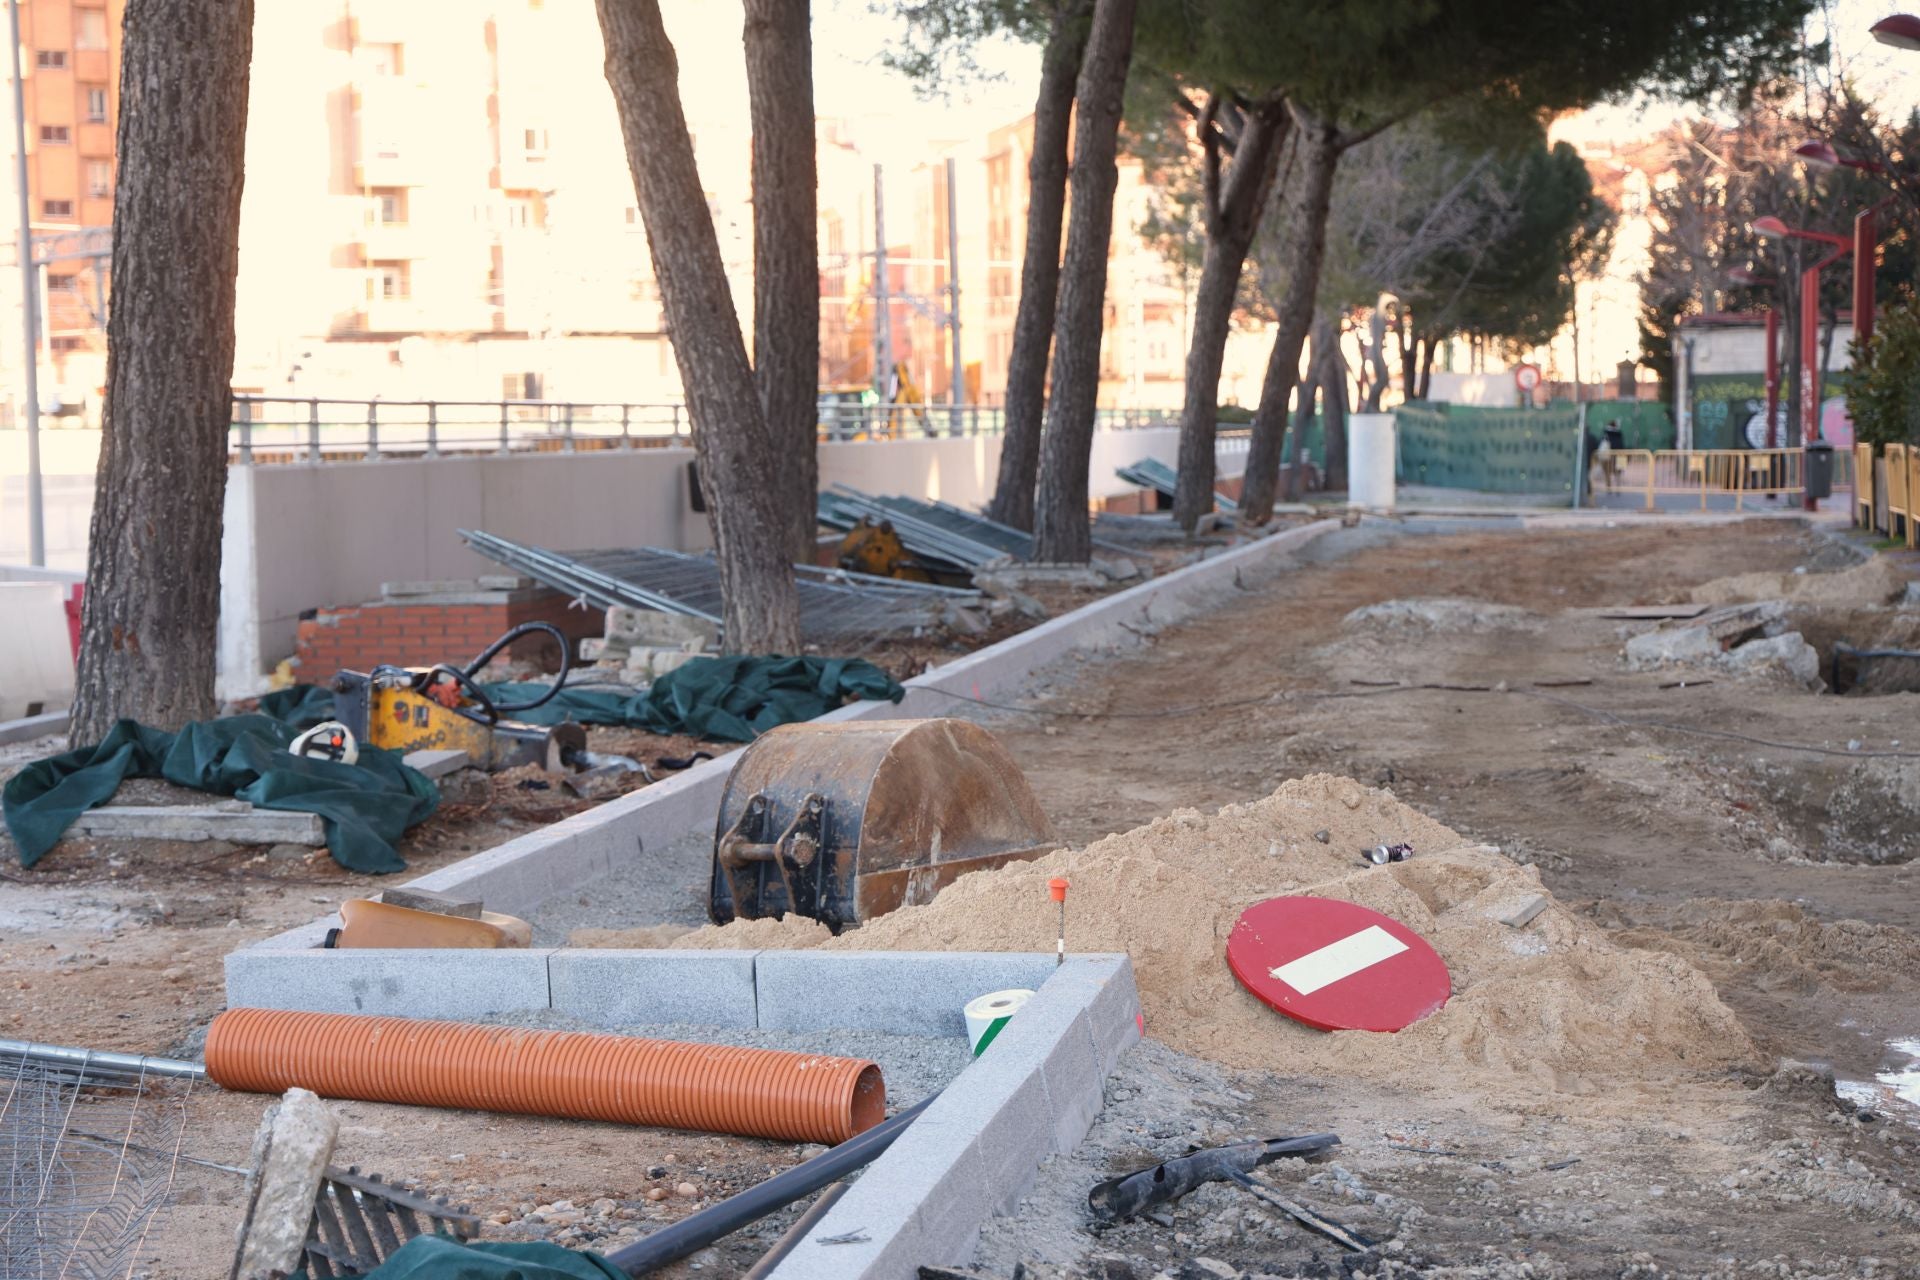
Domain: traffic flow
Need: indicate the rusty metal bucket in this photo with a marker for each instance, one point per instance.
(844, 822)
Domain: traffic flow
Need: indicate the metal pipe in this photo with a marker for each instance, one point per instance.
(29, 305)
(697, 1231)
(956, 376)
(131, 1064)
(794, 1234)
(883, 304)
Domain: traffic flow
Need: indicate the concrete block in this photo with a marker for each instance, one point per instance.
(915, 993)
(240, 823)
(28, 728)
(436, 983)
(652, 627)
(615, 988)
(1114, 1020)
(438, 903)
(290, 1153)
(436, 764)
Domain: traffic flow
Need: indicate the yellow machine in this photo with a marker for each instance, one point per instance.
(907, 394)
(443, 708)
(873, 547)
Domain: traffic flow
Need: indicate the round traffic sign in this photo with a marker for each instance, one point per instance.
(1336, 965)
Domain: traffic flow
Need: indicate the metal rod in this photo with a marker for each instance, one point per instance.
(883, 304)
(29, 305)
(58, 1055)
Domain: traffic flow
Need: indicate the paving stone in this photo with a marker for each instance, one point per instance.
(434, 983)
(915, 993)
(616, 988)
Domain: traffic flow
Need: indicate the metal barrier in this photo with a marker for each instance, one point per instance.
(1710, 473)
(280, 430)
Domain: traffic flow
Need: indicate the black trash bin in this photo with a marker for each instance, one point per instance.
(1819, 469)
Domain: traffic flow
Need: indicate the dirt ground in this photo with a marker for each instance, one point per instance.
(1786, 876)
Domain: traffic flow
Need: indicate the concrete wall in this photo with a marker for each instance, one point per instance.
(315, 537)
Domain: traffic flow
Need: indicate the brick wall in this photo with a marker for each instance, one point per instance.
(420, 631)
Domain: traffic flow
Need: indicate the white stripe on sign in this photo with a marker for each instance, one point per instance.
(1338, 960)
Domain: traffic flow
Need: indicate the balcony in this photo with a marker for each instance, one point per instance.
(392, 152)
(390, 242)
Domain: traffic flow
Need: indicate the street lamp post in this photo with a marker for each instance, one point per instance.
(1810, 390)
(1741, 275)
(29, 305)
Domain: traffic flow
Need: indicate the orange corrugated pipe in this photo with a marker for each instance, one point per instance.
(760, 1093)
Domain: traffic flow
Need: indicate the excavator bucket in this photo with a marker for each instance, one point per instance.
(844, 822)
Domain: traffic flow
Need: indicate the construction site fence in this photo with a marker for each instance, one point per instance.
(1711, 475)
(280, 430)
(1887, 494)
(1489, 450)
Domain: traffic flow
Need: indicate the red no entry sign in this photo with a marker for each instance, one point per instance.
(1335, 965)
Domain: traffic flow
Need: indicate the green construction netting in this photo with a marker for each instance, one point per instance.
(1491, 450)
(721, 699)
(366, 806)
(443, 1258)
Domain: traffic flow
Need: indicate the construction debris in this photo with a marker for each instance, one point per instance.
(437, 764)
(1151, 473)
(1134, 1193)
(937, 533)
(839, 610)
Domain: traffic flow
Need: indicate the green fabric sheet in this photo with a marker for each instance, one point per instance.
(366, 806)
(443, 1258)
(720, 699)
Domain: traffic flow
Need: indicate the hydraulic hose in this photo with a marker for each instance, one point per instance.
(526, 628)
(760, 1093)
(696, 1231)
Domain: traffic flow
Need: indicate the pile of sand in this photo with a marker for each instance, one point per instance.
(1552, 1006)
(1875, 582)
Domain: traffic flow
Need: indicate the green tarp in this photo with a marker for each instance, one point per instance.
(442, 1258)
(719, 699)
(366, 805)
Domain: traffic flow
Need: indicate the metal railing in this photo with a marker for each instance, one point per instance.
(288, 430)
(1707, 474)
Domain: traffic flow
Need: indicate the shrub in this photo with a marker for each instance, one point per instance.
(1883, 387)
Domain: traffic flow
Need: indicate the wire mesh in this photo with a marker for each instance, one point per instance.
(87, 1157)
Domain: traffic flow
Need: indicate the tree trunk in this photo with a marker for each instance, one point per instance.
(1331, 373)
(1377, 327)
(1233, 210)
(786, 256)
(1409, 344)
(152, 612)
(1307, 240)
(1061, 528)
(1431, 344)
(739, 463)
(1310, 390)
(1039, 268)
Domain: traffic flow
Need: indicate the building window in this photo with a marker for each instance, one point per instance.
(57, 210)
(65, 344)
(55, 135)
(99, 179)
(520, 213)
(386, 59)
(390, 207)
(90, 29)
(535, 143)
(388, 282)
(96, 104)
(51, 59)
(520, 386)
(633, 215)
(60, 282)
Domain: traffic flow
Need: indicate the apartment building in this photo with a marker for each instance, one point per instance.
(438, 206)
(70, 72)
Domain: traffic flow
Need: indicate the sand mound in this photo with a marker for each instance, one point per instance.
(1554, 1006)
(1871, 583)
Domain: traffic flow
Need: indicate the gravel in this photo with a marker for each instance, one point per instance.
(667, 885)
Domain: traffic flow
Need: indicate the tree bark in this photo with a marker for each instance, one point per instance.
(1310, 390)
(151, 624)
(1432, 344)
(1040, 267)
(1062, 531)
(1377, 328)
(786, 255)
(1331, 373)
(1307, 240)
(738, 458)
(1231, 215)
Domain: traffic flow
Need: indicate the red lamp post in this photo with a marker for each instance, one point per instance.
(1902, 31)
